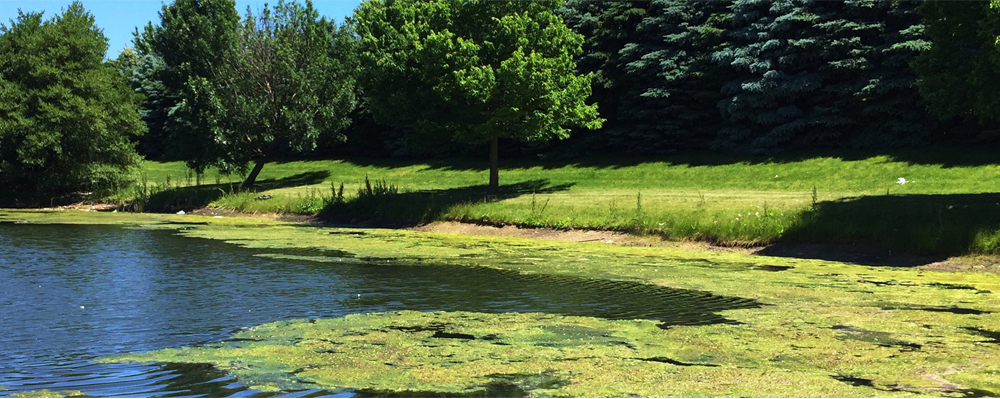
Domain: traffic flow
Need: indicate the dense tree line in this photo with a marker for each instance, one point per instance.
(229, 92)
(758, 76)
(961, 71)
(218, 88)
(765, 76)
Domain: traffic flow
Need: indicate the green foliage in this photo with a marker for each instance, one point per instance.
(45, 393)
(126, 63)
(291, 81)
(884, 93)
(783, 74)
(190, 46)
(820, 74)
(657, 84)
(379, 189)
(246, 88)
(146, 73)
(65, 114)
(960, 73)
(473, 70)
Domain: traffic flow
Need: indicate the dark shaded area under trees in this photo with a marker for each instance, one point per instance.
(760, 77)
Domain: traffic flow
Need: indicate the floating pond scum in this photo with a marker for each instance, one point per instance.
(781, 327)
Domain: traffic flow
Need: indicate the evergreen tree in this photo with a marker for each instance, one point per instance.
(673, 85)
(126, 62)
(656, 83)
(780, 57)
(821, 74)
(65, 114)
(148, 79)
(889, 109)
(607, 27)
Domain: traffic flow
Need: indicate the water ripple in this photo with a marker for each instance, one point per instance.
(74, 293)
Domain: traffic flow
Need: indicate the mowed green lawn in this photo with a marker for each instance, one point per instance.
(946, 205)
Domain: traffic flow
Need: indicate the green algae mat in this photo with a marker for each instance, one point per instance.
(821, 328)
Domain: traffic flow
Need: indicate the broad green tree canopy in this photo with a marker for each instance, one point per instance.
(474, 70)
(65, 114)
(247, 87)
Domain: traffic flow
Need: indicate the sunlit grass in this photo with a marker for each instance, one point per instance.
(719, 198)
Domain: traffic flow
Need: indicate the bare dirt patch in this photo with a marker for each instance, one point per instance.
(974, 264)
(88, 207)
(283, 217)
(581, 235)
(607, 237)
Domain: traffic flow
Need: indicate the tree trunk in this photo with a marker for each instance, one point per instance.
(252, 177)
(494, 167)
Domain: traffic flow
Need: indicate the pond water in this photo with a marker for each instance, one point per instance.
(70, 294)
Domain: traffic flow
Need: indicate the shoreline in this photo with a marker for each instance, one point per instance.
(866, 256)
(899, 328)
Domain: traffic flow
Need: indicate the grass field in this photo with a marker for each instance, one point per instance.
(947, 205)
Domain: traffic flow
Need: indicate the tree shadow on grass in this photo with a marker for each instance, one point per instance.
(945, 156)
(418, 207)
(190, 197)
(929, 227)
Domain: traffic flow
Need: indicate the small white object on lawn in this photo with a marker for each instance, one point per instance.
(181, 212)
(901, 180)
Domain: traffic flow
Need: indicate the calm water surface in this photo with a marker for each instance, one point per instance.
(69, 294)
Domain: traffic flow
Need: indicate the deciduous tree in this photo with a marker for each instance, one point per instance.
(65, 114)
(475, 70)
(249, 87)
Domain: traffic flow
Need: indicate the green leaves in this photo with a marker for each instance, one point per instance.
(66, 114)
(473, 69)
(246, 87)
(658, 86)
(960, 73)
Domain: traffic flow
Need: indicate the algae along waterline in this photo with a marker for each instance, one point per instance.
(101, 304)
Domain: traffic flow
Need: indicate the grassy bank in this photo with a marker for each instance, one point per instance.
(946, 206)
(822, 329)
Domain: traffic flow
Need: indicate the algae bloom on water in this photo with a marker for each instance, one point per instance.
(479, 354)
(45, 393)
